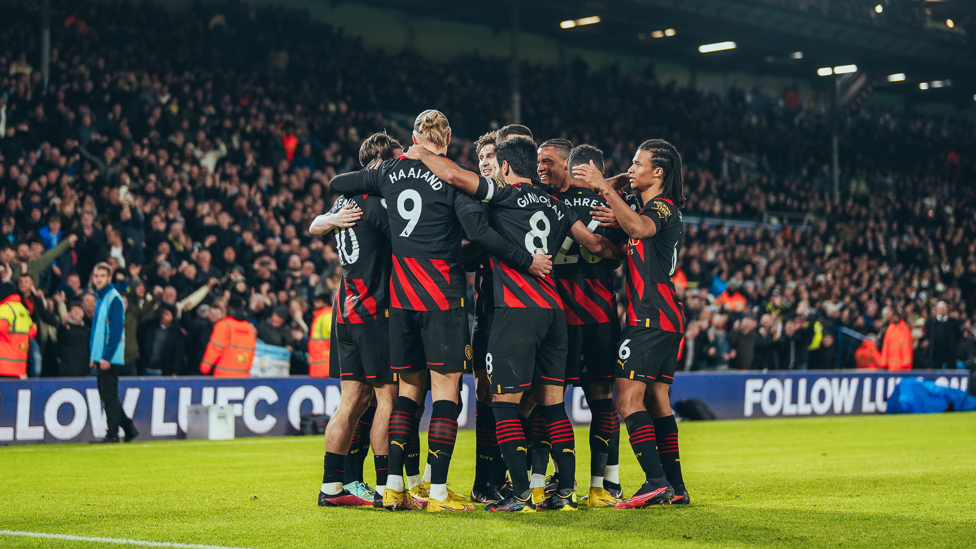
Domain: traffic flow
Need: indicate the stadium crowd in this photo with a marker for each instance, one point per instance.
(191, 151)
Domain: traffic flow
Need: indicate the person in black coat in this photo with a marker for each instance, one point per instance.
(73, 338)
(942, 335)
(825, 356)
(162, 343)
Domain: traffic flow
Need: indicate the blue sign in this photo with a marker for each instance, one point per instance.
(69, 409)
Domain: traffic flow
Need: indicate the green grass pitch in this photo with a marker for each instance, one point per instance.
(881, 481)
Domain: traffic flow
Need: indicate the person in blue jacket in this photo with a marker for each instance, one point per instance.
(108, 352)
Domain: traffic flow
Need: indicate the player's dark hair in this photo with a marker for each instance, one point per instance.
(667, 158)
(520, 154)
(513, 129)
(562, 146)
(378, 146)
(490, 138)
(584, 154)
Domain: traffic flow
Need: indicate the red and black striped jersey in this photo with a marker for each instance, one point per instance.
(425, 232)
(650, 263)
(364, 252)
(524, 214)
(585, 280)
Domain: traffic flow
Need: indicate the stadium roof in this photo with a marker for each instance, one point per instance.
(767, 37)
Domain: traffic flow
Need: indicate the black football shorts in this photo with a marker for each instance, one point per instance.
(435, 340)
(647, 354)
(526, 347)
(592, 352)
(362, 352)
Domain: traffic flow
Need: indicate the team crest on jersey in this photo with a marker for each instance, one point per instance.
(468, 353)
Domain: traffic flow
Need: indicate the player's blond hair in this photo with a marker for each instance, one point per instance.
(433, 125)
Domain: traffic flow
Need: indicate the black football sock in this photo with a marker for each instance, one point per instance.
(563, 442)
(641, 429)
(511, 442)
(486, 446)
(601, 435)
(541, 446)
(382, 465)
(413, 449)
(401, 426)
(526, 422)
(359, 447)
(332, 473)
(666, 429)
(441, 437)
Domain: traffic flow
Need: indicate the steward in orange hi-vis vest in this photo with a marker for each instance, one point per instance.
(16, 329)
(230, 351)
(319, 341)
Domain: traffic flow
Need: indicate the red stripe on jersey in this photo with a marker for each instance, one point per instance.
(548, 285)
(511, 300)
(364, 297)
(571, 317)
(412, 296)
(584, 300)
(443, 268)
(394, 300)
(635, 276)
(668, 200)
(665, 323)
(524, 285)
(427, 282)
(350, 305)
(665, 292)
(631, 315)
(601, 290)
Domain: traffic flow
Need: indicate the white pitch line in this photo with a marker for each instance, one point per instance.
(112, 540)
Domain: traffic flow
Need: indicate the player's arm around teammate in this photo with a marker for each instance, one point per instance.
(649, 344)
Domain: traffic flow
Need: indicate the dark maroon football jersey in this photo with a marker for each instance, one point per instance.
(364, 252)
(586, 280)
(525, 214)
(650, 264)
(424, 228)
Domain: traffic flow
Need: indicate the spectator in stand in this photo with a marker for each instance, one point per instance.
(74, 335)
(162, 342)
(868, 355)
(793, 345)
(942, 338)
(718, 351)
(274, 330)
(747, 341)
(824, 357)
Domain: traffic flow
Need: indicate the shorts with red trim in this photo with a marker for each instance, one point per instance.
(527, 347)
(433, 340)
(648, 354)
(361, 352)
(592, 352)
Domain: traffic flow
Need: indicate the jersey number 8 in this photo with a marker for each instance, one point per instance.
(537, 232)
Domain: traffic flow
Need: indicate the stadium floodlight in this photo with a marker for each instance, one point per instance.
(718, 46)
(879, 8)
(974, 97)
(845, 69)
(923, 86)
(658, 34)
(580, 22)
(669, 32)
(796, 55)
(898, 77)
(825, 71)
(937, 83)
(949, 23)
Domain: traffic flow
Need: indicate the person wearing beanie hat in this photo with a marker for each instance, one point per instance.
(230, 351)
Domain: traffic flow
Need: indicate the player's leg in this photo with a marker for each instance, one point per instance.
(549, 389)
(448, 352)
(642, 354)
(359, 446)
(658, 403)
(487, 454)
(408, 363)
(599, 396)
(385, 394)
(355, 399)
(539, 445)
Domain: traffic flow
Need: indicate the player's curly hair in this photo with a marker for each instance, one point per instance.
(377, 147)
(667, 158)
(490, 138)
(433, 125)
